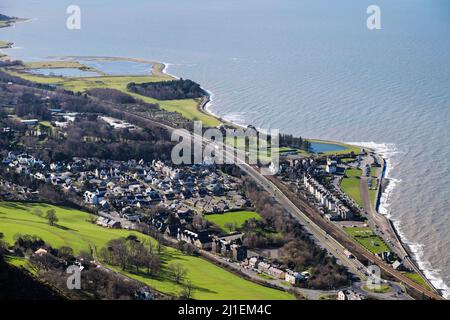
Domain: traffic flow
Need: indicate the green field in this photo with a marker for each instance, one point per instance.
(350, 184)
(75, 230)
(417, 279)
(384, 288)
(368, 239)
(236, 218)
(187, 107)
(374, 171)
(4, 44)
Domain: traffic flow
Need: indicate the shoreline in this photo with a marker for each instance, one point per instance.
(10, 45)
(204, 107)
(385, 152)
(382, 198)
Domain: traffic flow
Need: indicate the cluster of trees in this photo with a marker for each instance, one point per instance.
(4, 18)
(145, 257)
(288, 140)
(3, 244)
(6, 78)
(10, 63)
(94, 138)
(33, 100)
(32, 106)
(27, 242)
(119, 97)
(259, 234)
(168, 90)
(132, 253)
(299, 252)
(50, 215)
(326, 273)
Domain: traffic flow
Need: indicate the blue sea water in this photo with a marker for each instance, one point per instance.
(307, 67)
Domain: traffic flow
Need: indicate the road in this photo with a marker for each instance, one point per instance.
(382, 225)
(329, 242)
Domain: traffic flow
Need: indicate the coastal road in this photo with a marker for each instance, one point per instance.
(329, 242)
(378, 222)
(382, 225)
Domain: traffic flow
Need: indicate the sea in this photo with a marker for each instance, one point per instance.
(307, 67)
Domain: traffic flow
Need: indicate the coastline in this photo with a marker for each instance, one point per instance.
(10, 45)
(413, 250)
(384, 151)
(382, 197)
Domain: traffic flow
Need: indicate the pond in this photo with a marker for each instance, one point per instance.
(63, 72)
(322, 147)
(119, 67)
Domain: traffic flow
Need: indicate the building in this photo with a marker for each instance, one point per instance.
(30, 122)
(293, 277)
(201, 240)
(253, 262)
(350, 295)
(276, 273)
(232, 248)
(331, 166)
(264, 267)
(326, 199)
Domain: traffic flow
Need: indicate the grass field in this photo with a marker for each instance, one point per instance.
(350, 184)
(384, 288)
(187, 107)
(368, 239)
(4, 44)
(417, 279)
(75, 230)
(236, 218)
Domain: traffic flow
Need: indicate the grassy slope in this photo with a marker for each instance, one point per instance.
(236, 217)
(75, 231)
(350, 184)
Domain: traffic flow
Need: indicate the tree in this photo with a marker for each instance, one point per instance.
(51, 217)
(137, 254)
(119, 252)
(65, 252)
(151, 260)
(85, 256)
(3, 245)
(187, 291)
(229, 226)
(178, 272)
(37, 212)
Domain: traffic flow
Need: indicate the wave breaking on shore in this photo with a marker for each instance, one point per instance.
(387, 151)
